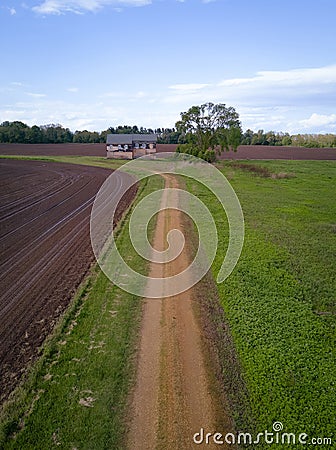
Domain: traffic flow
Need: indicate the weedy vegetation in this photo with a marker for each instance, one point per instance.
(280, 299)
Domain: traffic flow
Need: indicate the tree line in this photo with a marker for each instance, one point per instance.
(19, 132)
(261, 137)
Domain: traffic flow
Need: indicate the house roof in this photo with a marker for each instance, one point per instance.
(144, 137)
(130, 138)
(119, 139)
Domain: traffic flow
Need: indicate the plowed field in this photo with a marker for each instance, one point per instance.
(45, 251)
(243, 152)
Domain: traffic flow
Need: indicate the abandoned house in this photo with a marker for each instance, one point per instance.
(130, 146)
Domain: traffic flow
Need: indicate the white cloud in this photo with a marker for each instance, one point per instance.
(189, 93)
(267, 88)
(11, 10)
(189, 87)
(294, 77)
(124, 96)
(35, 95)
(41, 111)
(276, 100)
(140, 94)
(318, 120)
(115, 94)
(11, 114)
(300, 100)
(80, 6)
(267, 117)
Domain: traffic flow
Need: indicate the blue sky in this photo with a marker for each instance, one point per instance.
(90, 64)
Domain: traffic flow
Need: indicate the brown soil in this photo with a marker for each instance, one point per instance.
(45, 251)
(268, 152)
(279, 152)
(172, 400)
(243, 152)
(53, 149)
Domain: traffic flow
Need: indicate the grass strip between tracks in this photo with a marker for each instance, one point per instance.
(76, 394)
(280, 299)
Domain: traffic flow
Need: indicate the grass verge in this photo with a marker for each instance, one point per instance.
(97, 161)
(76, 394)
(224, 373)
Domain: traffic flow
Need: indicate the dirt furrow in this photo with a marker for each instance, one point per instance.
(171, 400)
(45, 251)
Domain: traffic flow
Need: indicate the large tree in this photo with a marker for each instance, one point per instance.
(209, 126)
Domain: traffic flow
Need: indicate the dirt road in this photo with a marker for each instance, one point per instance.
(171, 401)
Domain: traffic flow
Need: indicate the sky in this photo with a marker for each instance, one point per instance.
(92, 64)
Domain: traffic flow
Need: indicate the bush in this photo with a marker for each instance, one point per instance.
(190, 149)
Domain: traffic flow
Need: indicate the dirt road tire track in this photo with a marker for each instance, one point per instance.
(171, 400)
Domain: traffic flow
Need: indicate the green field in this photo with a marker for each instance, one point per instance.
(280, 299)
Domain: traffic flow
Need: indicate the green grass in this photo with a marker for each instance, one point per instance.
(280, 299)
(98, 161)
(89, 358)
